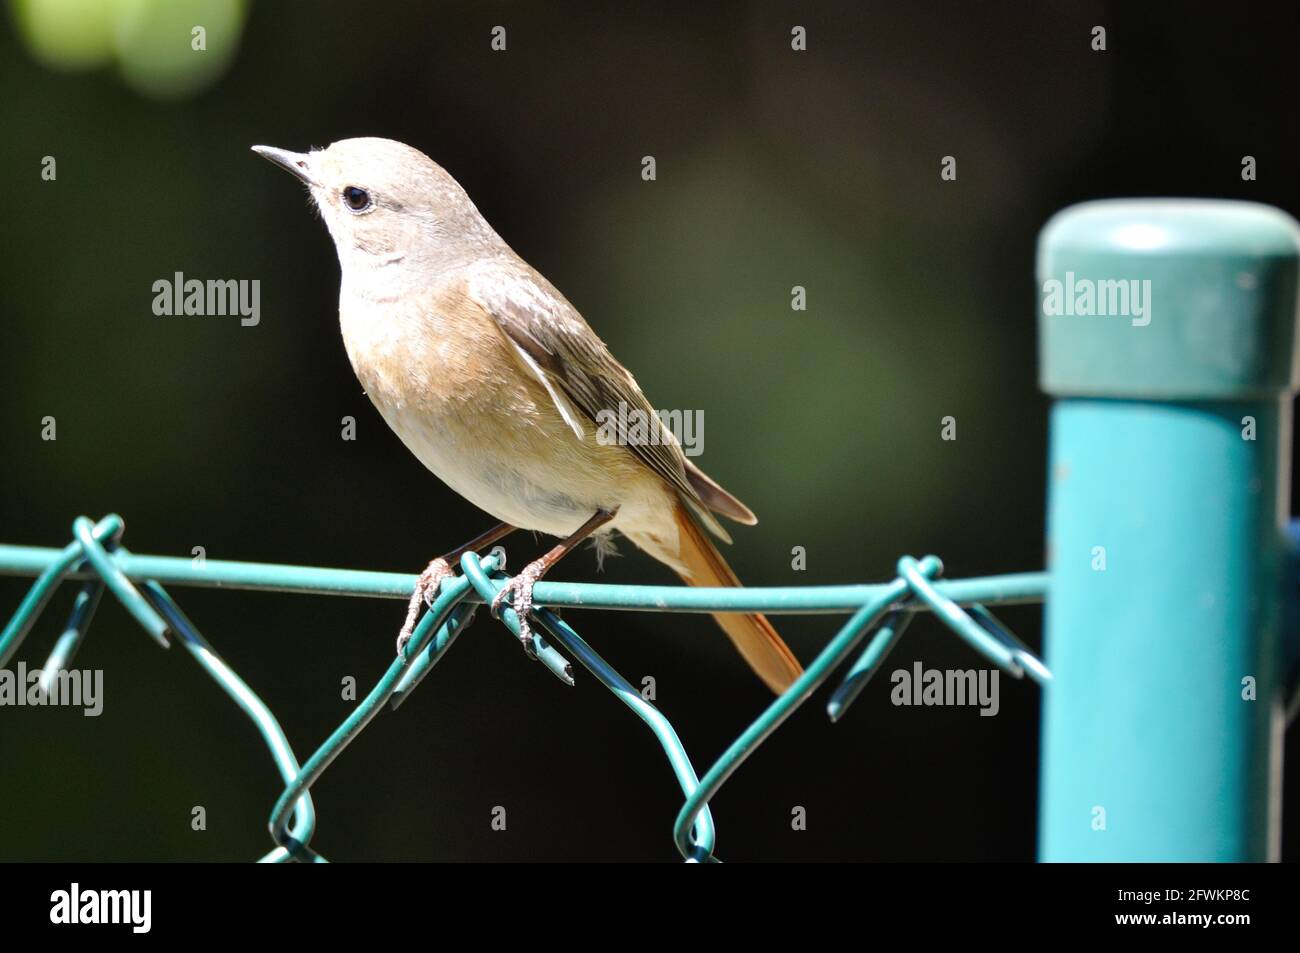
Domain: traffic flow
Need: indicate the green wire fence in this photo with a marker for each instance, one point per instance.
(878, 615)
(1173, 623)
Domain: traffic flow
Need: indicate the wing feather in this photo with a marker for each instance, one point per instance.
(577, 369)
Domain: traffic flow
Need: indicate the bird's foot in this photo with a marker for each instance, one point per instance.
(521, 587)
(426, 590)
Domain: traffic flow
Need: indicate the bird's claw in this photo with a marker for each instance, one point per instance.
(426, 590)
(521, 586)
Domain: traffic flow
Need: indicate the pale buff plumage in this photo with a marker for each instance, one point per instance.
(471, 411)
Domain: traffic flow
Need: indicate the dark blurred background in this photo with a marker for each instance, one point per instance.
(775, 168)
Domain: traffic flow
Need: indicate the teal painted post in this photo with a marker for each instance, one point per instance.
(1167, 502)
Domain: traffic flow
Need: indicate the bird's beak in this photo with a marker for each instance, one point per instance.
(297, 163)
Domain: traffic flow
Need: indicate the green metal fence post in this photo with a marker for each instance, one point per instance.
(1167, 338)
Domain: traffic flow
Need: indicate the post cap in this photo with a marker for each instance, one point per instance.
(1168, 299)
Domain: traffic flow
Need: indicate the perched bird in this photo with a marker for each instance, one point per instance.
(495, 382)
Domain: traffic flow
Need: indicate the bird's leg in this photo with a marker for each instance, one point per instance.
(522, 585)
(426, 587)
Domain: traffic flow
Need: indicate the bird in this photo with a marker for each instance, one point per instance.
(497, 385)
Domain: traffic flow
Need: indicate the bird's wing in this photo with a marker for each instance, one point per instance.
(578, 371)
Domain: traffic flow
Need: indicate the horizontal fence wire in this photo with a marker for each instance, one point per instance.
(878, 616)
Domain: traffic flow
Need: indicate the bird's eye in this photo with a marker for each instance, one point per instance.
(358, 200)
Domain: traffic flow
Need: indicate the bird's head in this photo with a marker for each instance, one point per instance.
(389, 207)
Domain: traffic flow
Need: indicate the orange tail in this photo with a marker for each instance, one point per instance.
(759, 644)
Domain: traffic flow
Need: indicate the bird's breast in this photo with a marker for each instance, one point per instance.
(464, 405)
